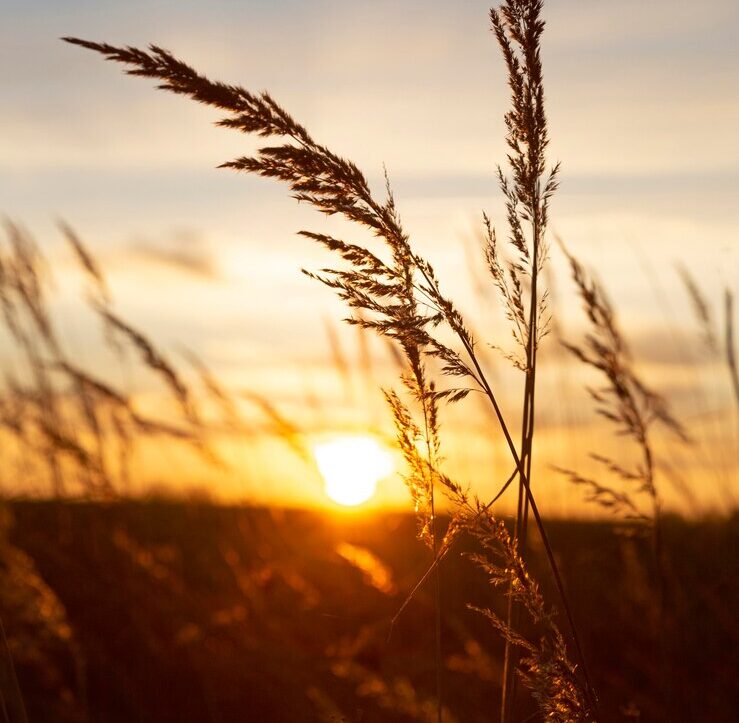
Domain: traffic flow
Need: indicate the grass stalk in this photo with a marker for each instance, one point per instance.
(730, 344)
(400, 298)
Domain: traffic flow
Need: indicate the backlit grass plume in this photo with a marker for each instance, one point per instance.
(393, 290)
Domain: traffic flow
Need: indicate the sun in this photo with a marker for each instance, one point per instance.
(351, 467)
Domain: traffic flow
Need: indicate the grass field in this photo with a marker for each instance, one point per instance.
(165, 611)
(509, 504)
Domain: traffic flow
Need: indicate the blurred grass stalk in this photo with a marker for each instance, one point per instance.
(11, 700)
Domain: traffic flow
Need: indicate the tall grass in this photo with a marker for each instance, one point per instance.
(625, 401)
(518, 28)
(73, 431)
(717, 345)
(391, 289)
(635, 411)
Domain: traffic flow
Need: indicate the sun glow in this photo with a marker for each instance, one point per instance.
(351, 468)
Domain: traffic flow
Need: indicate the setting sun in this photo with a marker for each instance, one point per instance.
(351, 468)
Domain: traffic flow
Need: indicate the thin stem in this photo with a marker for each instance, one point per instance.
(527, 440)
(731, 351)
(437, 596)
(531, 354)
(437, 576)
(509, 663)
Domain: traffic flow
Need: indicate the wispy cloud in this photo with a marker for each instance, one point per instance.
(185, 251)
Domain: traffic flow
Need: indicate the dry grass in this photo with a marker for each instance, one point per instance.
(717, 348)
(625, 401)
(395, 292)
(70, 430)
(71, 425)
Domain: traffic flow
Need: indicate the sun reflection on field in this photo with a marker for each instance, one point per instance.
(351, 467)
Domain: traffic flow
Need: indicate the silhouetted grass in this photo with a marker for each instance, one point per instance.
(179, 610)
(285, 615)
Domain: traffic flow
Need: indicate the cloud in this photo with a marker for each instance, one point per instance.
(185, 251)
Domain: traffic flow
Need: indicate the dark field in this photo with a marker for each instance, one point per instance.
(165, 612)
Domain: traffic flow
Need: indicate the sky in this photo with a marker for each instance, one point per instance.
(643, 111)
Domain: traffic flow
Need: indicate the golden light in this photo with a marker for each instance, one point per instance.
(351, 467)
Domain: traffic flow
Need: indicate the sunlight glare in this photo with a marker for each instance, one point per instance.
(351, 467)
